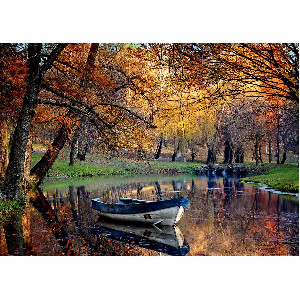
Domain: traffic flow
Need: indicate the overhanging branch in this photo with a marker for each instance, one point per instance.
(76, 101)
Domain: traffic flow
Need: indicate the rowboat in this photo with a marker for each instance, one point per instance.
(164, 239)
(164, 212)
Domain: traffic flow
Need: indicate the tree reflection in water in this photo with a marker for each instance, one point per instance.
(14, 235)
(226, 217)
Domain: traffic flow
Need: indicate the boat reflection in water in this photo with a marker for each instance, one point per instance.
(165, 239)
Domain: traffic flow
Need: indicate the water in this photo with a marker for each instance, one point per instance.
(225, 217)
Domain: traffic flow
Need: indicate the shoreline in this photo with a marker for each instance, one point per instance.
(284, 178)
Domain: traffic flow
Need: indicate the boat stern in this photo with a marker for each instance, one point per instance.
(179, 214)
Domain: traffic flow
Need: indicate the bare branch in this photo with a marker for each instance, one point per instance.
(90, 108)
(52, 57)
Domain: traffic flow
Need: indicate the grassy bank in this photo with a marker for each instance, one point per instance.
(96, 165)
(283, 178)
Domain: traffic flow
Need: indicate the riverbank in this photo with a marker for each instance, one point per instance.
(284, 178)
(96, 165)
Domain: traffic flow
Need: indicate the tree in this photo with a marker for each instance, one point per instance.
(39, 63)
(89, 88)
(12, 80)
(272, 68)
(249, 71)
(39, 171)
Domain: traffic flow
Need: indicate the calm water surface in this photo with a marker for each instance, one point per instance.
(225, 217)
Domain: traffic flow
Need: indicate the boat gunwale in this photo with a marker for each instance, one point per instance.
(133, 208)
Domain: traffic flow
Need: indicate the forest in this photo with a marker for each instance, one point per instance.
(208, 103)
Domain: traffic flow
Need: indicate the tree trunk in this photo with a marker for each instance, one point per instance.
(158, 149)
(193, 155)
(278, 150)
(256, 156)
(74, 149)
(284, 153)
(83, 141)
(174, 155)
(82, 138)
(283, 157)
(27, 233)
(3, 147)
(270, 149)
(228, 152)
(82, 150)
(260, 154)
(27, 163)
(239, 155)
(278, 140)
(39, 171)
(175, 152)
(15, 170)
(73, 152)
(242, 157)
(211, 156)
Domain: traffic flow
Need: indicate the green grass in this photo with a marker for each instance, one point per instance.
(96, 165)
(283, 178)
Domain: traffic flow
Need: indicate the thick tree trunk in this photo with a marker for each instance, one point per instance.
(39, 171)
(158, 149)
(3, 147)
(15, 170)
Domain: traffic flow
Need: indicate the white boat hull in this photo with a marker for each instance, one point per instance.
(166, 216)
